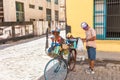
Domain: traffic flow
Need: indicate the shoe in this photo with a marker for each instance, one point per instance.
(87, 71)
(90, 71)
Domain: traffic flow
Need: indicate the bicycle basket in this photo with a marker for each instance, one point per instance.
(53, 52)
(56, 50)
(73, 43)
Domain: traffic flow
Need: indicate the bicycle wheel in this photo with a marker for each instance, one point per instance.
(72, 59)
(56, 69)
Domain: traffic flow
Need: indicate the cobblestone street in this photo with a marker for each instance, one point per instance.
(108, 71)
(25, 60)
(104, 70)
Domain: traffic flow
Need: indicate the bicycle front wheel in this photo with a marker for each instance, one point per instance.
(56, 69)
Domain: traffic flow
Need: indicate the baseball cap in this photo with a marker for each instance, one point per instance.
(84, 25)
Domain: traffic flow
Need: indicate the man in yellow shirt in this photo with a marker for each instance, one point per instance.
(90, 45)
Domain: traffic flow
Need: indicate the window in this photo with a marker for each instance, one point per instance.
(32, 20)
(56, 1)
(48, 0)
(1, 3)
(40, 8)
(56, 15)
(31, 6)
(40, 19)
(19, 11)
(1, 11)
(48, 14)
(113, 19)
(1, 31)
(1, 19)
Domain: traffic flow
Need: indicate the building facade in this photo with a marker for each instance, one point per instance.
(103, 15)
(1, 11)
(29, 10)
(62, 11)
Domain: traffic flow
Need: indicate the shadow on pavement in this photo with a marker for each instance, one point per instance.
(98, 64)
(56, 70)
(13, 43)
(4, 46)
(41, 78)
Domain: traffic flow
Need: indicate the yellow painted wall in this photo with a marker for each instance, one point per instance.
(79, 11)
(82, 10)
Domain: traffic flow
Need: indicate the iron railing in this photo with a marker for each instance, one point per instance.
(107, 19)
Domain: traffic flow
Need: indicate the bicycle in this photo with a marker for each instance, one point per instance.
(73, 53)
(57, 68)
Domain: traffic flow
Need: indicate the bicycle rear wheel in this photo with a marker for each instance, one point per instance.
(72, 59)
(56, 69)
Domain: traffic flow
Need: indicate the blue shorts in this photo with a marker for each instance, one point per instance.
(91, 53)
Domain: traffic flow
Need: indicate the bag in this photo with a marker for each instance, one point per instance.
(80, 46)
(65, 46)
(56, 50)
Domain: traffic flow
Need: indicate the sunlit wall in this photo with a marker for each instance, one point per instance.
(79, 11)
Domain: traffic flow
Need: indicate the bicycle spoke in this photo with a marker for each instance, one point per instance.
(72, 59)
(55, 70)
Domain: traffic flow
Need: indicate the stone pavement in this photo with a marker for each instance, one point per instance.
(103, 71)
(26, 59)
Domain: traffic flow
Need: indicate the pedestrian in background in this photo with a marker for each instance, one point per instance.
(90, 46)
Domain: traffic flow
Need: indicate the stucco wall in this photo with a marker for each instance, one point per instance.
(10, 9)
(79, 11)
